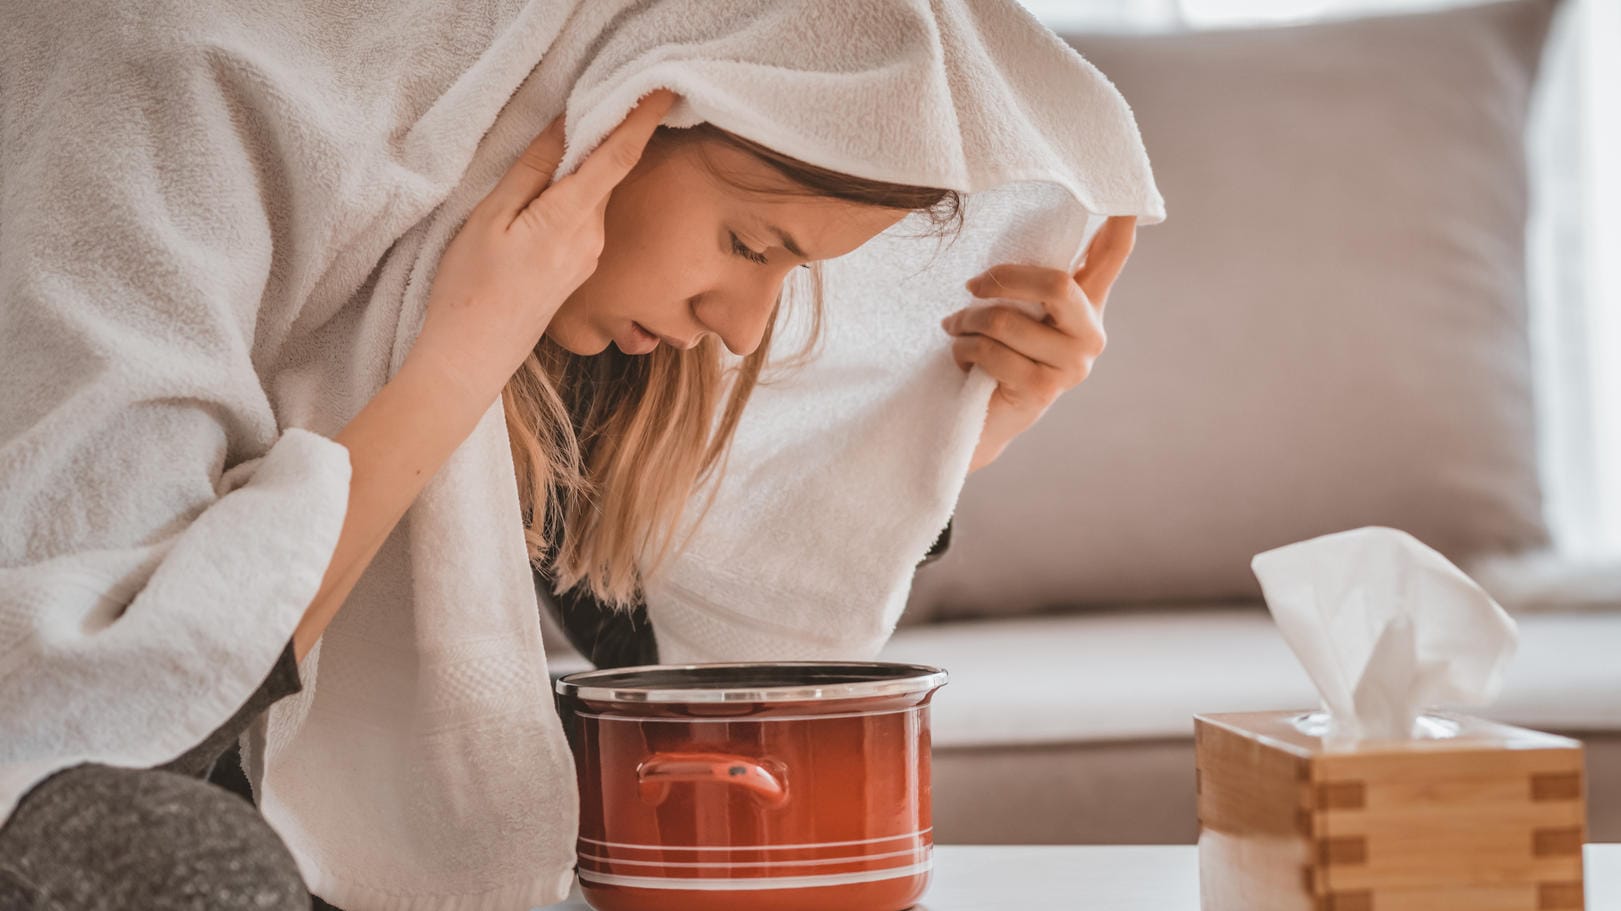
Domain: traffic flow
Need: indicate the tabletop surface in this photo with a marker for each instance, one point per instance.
(1116, 878)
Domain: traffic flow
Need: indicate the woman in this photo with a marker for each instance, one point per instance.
(699, 173)
(607, 444)
(610, 378)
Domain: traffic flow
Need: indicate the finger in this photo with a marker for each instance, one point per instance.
(1019, 378)
(615, 156)
(1039, 341)
(1106, 256)
(1054, 289)
(530, 173)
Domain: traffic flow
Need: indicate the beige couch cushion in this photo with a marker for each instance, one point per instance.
(1080, 728)
(1143, 674)
(1329, 330)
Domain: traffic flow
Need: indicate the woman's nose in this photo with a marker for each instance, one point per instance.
(739, 319)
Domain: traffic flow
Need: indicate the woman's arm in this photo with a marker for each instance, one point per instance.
(396, 444)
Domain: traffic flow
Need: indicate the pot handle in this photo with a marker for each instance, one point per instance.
(660, 770)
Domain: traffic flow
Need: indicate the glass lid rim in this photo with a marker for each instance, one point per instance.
(605, 685)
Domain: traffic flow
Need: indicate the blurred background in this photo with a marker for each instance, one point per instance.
(1573, 231)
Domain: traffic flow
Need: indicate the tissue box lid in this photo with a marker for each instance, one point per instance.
(1280, 731)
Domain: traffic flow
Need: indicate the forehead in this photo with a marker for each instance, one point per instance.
(753, 190)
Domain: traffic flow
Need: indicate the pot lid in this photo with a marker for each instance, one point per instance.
(780, 681)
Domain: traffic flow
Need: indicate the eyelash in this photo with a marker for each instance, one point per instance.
(745, 252)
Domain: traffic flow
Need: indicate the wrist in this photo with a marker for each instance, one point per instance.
(443, 382)
(469, 376)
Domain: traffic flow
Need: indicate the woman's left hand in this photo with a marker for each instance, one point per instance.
(1036, 360)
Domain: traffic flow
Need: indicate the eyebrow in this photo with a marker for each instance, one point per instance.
(788, 242)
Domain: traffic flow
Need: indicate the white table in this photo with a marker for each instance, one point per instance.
(1126, 878)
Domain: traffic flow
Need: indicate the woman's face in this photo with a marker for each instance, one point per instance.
(686, 253)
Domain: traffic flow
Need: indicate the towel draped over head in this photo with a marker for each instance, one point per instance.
(218, 226)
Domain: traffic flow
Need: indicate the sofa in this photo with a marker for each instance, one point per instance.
(1331, 330)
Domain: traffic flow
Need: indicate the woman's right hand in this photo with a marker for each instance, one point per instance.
(523, 250)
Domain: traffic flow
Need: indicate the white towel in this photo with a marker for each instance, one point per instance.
(843, 474)
(217, 229)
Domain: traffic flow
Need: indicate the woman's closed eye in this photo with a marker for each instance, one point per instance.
(742, 250)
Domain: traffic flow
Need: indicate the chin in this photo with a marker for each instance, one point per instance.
(584, 344)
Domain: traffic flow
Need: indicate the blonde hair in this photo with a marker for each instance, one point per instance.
(609, 449)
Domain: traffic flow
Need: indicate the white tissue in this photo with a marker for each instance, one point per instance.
(1386, 627)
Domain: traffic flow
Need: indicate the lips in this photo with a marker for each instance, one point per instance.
(636, 340)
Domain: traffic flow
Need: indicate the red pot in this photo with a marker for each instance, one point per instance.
(737, 787)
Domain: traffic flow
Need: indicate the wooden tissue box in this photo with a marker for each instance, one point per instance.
(1490, 819)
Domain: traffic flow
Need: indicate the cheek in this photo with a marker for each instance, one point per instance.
(653, 257)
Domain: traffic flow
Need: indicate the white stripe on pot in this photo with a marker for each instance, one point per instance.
(678, 884)
(807, 846)
(723, 865)
(744, 719)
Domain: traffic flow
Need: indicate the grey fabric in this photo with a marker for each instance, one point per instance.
(95, 837)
